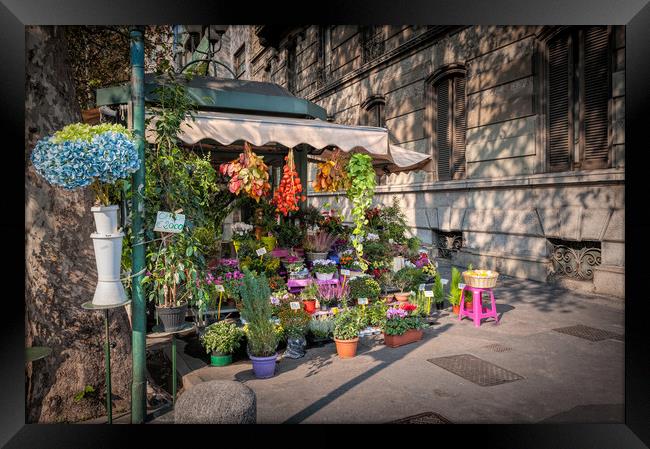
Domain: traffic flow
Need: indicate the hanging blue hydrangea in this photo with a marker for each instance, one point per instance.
(75, 163)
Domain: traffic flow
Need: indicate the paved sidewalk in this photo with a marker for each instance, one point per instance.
(564, 378)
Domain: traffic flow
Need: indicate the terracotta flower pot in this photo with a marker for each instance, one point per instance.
(346, 349)
(469, 306)
(410, 336)
(402, 297)
(310, 306)
(456, 309)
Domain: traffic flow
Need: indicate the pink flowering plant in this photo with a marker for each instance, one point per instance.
(401, 319)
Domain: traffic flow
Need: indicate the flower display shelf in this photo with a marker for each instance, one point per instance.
(295, 285)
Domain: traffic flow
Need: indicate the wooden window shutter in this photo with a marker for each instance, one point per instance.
(596, 148)
(559, 110)
(459, 129)
(443, 131)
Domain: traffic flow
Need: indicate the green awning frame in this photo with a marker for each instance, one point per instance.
(220, 99)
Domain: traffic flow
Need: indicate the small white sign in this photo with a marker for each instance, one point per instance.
(261, 251)
(421, 287)
(362, 301)
(428, 294)
(345, 272)
(220, 288)
(295, 305)
(461, 285)
(168, 222)
(444, 281)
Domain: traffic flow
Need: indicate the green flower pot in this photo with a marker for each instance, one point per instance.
(220, 360)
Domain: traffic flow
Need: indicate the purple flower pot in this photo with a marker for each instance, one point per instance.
(264, 367)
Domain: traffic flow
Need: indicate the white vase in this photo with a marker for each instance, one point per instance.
(108, 256)
(324, 276)
(105, 219)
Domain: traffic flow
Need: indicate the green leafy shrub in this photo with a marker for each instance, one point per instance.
(256, 310)
(454, 290)
(322, 327)
(347, 324)
(364, 287)
(223, 337)
(294, 322)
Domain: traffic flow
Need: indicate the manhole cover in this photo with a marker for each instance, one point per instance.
(496, 347)
(476, 370)
(423, 418)
(589, 333)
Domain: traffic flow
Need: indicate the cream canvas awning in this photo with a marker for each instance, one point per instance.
(227, 128)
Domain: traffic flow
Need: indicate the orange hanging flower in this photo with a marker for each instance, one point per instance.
(286, 197)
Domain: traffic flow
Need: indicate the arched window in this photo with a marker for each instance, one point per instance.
(577, 96)
(373, 113)
(446, 121)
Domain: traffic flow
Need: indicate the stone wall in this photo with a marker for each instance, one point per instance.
(508, 206)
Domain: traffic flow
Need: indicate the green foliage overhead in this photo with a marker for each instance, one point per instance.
(360, 193)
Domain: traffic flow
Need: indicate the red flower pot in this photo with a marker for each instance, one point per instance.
(310, 306)
(410, 336)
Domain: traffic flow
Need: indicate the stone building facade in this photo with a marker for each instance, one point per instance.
(525, 125)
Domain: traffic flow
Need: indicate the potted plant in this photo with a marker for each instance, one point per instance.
(324, 269)
(81, 155)
(364, 287)
(295, 324)
(403, 280)
(403, 326)
(308, 295)
(257, 312)
(221, 339)
(454, 290)
(346, 332)
(289, 235)
(297, 270)
(349, 262)
(174, 275)
(321, 329)
(318, 244)
(240, 233)
(438, 292)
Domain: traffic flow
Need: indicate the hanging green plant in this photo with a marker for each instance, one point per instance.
(360, 193)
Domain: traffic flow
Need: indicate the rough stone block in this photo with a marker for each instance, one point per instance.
(503, 244)
(217, 402)
(616, 227)
(341, 33)
(405, 100)
(407, 127)
(504, 102)
(618, 83)
(507, 221)
(503, 65)
(523, 268)
(613, 253)
(610, 280)
(498, 168)
(593, 223)
(501, 140)
(619, 155)
(619, 120)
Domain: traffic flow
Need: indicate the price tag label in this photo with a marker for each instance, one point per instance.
(444, 281)
(421, 287)
(345, 272)
(461, 285)
(295, 305)
(168, 222)
(362, 301)
(428, 293)
(220, 288)
(261, 251)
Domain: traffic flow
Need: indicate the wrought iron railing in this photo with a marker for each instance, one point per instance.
(449, 242)
(574, 259)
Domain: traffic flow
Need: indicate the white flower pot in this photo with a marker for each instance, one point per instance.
(108, 256)
(105, 219)
(324, 276)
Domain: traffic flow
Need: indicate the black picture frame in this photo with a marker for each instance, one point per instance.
(635, 14)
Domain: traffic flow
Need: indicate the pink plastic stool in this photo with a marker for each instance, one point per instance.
(479, 311)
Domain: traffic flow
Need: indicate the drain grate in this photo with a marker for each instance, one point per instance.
(589, 333)
(476, 370)
(423, 418)
(496, 347)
